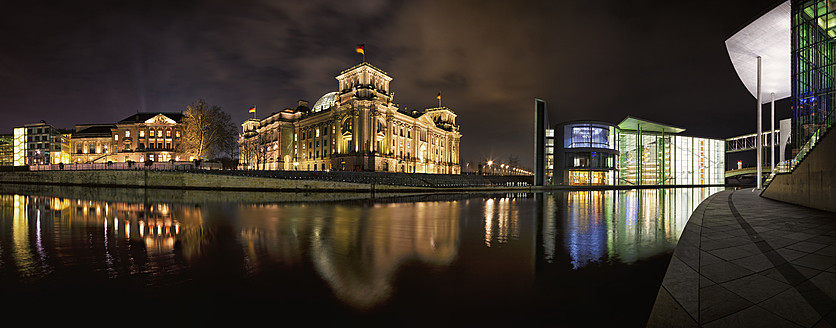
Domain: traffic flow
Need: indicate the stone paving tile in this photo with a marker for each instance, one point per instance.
(736, 252)
(806, 246)
(823, 239)
(755, 262)
(724, 271)
(792, 306)
(717, 302)
(766, 264)
(707, 258)
(790, 254)
(668, 313)
(755, 288)
(815, 261)
(826, 281)
(683, 285)
(753, 316)
(775, 273)
(827, 251)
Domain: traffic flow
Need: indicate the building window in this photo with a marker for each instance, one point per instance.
(127, 134)
(141, 133)
(116, 137)
(168, 133)
(159, 133)
(177, 134)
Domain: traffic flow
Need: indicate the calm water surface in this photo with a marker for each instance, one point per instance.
(116, 256)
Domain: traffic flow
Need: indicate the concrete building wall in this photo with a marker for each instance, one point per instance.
(813, 182)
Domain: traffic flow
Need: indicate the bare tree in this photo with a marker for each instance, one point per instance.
(207, 130)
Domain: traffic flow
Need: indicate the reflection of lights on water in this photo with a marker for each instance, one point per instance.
(502, 212)
(489, 221)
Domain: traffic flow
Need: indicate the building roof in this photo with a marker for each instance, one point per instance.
(93, 130)
(768, 37)
(325, 102)
(633, 124)
(144, 116)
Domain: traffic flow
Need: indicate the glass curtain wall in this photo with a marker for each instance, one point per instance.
(813, 71)
(589, 153)
(645, 158)
(698, 161)
(655, 159)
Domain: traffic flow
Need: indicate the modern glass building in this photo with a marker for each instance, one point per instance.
(633, 152)
(813, 99)
(585, 153)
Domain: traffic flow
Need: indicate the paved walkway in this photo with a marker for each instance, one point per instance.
(748, 261)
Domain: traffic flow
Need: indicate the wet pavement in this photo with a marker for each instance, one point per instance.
(747, 261)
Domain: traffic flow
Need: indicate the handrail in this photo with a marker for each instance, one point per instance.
(789, 166)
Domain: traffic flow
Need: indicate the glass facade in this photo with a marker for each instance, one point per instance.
(588, 155)
(655, 159)
(813, 68)
(635, 152)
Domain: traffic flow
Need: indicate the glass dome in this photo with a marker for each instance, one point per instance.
(325, 102)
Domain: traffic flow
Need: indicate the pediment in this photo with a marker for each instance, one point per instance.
(160, 118)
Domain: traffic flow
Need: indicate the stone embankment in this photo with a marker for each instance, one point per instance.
(268, 180)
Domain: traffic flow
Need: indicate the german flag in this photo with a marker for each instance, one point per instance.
(252, 109)
(361, 49)
(439, 96)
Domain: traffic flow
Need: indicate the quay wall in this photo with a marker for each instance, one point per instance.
(173, 180)
(813, 182)
(261, 181)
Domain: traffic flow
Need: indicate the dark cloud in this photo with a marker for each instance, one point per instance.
(100, 61)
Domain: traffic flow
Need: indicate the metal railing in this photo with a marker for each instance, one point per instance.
(789, 165)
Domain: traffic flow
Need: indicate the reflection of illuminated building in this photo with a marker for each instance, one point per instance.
(627, 225)
(359, 253)
(501, 222)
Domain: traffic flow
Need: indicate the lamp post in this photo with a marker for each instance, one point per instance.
(490, 167)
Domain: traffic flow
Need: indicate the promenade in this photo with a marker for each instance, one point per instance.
(748, 261)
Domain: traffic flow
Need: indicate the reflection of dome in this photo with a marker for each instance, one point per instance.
(325, 102)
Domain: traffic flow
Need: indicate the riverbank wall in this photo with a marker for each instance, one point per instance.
(267, 181)
(813, 182)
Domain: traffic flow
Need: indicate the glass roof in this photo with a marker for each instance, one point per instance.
(325, 102)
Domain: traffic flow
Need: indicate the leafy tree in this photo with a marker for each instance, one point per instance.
(207, 131)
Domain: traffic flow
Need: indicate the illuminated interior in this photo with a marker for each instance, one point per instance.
(813, 68)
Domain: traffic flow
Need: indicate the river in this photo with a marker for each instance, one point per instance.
(554, 259)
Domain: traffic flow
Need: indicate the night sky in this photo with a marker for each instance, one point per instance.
(73, 62)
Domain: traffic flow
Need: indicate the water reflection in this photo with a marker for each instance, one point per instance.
(364, 253)
(618, 225)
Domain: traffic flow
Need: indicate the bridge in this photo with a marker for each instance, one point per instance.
(749, 141)
(748, 171)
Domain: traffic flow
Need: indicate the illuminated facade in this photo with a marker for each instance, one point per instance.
(140, 137)
(147, 136)
(91, 144)
(357, 128)
(6, 149)
(633, 152)
(36, 143)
